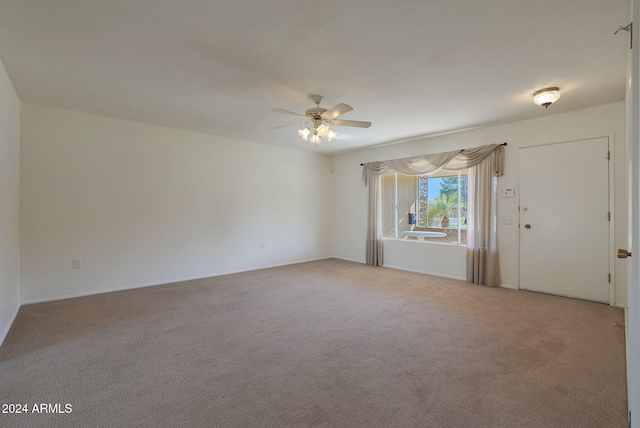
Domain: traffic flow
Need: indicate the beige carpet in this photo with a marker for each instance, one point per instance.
(328, 344)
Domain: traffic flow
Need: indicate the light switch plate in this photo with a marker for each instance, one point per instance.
(508, 192)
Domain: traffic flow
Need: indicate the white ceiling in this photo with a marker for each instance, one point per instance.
(412, 67)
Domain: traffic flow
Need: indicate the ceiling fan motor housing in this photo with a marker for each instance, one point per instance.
(315, 111)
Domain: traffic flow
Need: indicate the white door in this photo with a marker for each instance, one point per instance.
(564, 219)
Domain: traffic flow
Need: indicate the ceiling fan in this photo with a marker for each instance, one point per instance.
(318, 120)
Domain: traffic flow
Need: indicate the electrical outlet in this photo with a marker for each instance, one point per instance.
(77, 264)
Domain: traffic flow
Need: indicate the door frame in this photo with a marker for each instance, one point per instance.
(611, 174)
(633, 288)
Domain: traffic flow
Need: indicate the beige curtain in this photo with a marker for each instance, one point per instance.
(482, 235)
(374, 247)
(420, 165)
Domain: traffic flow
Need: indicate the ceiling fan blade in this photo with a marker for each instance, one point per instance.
(291, 124)
(358, 123)
(336, 111)
(279, 110)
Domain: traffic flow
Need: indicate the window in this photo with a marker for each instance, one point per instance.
(442, 201)
(431, 208)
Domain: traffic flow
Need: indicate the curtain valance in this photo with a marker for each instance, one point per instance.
(427, 164)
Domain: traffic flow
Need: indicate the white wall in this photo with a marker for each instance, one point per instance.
(9, 203)
(141, 204)
(350, 193)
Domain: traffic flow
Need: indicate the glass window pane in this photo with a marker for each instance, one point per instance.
(439, 204)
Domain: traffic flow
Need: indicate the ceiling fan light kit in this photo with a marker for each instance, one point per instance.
(319, 120)
(547, 96)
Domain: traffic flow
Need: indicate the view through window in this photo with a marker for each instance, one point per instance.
(431, 208)
(442, 201)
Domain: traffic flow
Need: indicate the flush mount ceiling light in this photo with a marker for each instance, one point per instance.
(545, 97)
(319, 119)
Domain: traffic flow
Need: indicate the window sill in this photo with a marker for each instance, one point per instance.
(453, 236)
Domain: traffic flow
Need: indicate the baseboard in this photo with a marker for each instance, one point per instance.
(230, 272)
(4, 334)
(425, 273)
(405, 269)
(348, 260)
(509, 286)
(153, 284)
(512, 287)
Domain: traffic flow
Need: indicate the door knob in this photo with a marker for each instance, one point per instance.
(527, 226)
(623, 254)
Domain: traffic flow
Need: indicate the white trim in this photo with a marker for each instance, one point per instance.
(415, 139)
(153, 284)
(518, 186)
(633, 286)
(449, 244)
(573, 140)
(511, 287)
(6, 331)
(347, 260)
(424, 272)
(395, 205)
(612, 231)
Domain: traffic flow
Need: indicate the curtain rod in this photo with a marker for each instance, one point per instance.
(503, 144)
